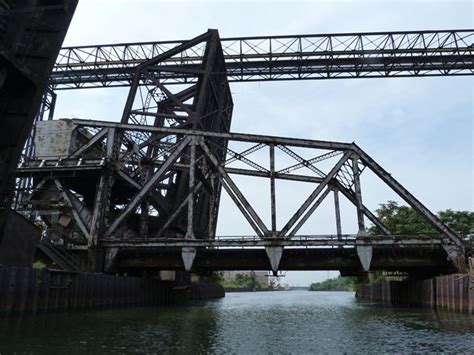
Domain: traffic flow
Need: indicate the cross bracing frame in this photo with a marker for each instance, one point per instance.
(191, 154)
(154, 180)
(300, 57)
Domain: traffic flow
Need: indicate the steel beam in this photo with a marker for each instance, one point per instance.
(239, 137)
(409, 198)
(76, 214)
(263, 58)
(147, 187)
(299, 213)
(272, 190)
(358, 195)
(399, 241)
(337, 213)
(239, 199)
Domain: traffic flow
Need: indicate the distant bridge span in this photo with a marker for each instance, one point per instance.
(269, 58)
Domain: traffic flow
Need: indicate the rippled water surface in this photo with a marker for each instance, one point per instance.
(296, 322)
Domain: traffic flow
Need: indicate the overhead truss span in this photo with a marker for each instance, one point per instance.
(264, 58)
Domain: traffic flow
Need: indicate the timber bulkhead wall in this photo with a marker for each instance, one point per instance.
(452, 292)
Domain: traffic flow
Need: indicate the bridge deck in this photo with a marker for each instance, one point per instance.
(421, 260)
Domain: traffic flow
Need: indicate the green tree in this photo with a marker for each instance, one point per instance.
(460, 221)
(401, 220)
(405, 220)
(247, 281)
(335, 284)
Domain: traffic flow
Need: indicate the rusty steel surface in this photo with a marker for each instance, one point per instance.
(124, 192)
(26, 290)
(344, 165)
(450, 292)
(425, 261)
(31, 35)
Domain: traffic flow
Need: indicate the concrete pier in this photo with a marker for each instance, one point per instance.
(452, 292)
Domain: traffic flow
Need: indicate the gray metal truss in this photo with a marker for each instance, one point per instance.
(299, 57)
(154, 180)
(191, 155)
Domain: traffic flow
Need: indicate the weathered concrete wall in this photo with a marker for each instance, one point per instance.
(453, 292)
(26, 290)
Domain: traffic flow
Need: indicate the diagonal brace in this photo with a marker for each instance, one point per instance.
(94, 140)
(236, 195)
(140, 196)
(314, 194)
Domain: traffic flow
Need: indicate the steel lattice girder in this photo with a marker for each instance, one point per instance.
(170, 157)
(300, 57)
(347, 158)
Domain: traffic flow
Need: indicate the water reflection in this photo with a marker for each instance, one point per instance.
(277, 322)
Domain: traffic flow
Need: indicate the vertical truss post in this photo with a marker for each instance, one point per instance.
(235, 194)
(272, 189)
(188, 254)
(338, 213)
(212, 202)
(102, 204)
(131, 95)
(274, 253)
(364, 250)
(358, 195)
(144, 218)
(192, 174)
(52, 104)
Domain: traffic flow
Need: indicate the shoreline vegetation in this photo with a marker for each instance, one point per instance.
(398, 218)
(402, 220)
(335, 284)
(244, 282)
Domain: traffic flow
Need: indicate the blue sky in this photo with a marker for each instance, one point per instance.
(419, 129)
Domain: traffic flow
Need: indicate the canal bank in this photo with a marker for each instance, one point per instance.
(27, 290)
(296, 322)
(451, 292)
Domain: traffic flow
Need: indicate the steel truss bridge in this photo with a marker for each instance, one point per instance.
(302, 57)
(144, 192)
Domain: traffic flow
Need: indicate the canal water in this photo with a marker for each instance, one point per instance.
(291, 322)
